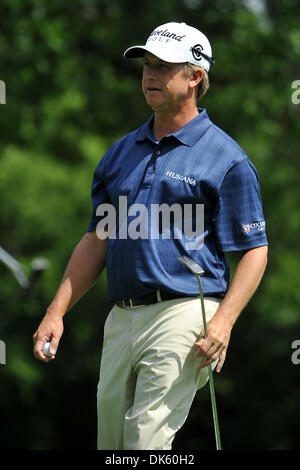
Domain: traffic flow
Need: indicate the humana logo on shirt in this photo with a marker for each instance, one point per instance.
(157, 221)
(176, 176)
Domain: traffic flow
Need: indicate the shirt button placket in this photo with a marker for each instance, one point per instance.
(151, 168)
(150, 174)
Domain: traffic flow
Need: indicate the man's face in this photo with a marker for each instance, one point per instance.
(165, 85)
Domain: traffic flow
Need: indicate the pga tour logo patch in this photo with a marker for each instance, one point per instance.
(259, 226)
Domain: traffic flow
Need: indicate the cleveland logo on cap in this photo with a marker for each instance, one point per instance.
(166, 33)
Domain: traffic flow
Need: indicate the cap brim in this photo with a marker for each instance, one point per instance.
(135, 52)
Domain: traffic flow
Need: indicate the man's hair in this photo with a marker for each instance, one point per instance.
(204, 84)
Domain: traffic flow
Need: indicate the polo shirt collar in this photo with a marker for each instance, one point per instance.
(187, 135)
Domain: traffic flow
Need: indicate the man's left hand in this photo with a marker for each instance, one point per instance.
(215, 345)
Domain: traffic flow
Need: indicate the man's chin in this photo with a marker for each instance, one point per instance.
(155, 105)
(153, 102)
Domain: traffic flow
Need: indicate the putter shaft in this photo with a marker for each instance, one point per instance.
(198, 271)
(210, 374)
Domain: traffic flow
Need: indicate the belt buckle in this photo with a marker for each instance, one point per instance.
(123, 303)
(158, 296)
(134, 306)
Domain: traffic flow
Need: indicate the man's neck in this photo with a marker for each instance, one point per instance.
(168, 123)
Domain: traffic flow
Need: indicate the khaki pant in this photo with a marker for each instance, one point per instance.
(148, 373)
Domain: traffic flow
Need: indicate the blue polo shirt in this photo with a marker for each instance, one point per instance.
(199, 166)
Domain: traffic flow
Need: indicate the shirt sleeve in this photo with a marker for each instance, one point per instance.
(99, 195)
(240, 223)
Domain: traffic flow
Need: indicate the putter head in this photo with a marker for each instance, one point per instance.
(192, 265)
(39, 264)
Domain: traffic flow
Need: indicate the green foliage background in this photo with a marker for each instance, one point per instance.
(70, 94)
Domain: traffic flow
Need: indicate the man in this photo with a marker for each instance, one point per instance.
(154, 356)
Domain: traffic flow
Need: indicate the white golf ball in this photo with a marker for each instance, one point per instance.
(46, 349)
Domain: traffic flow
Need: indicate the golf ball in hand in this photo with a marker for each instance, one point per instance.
(46, 349)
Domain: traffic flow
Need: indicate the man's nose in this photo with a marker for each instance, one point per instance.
(150, 72)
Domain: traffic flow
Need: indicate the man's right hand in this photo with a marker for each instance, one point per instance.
(86, 264)
(50, 329)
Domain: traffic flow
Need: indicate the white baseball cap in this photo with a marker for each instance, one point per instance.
(176, 43)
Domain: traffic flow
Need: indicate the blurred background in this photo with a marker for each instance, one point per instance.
(69, 96)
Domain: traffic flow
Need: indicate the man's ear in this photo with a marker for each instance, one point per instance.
(195, 78)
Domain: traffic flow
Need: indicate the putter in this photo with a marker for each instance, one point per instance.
(38, 266)
(197, 271)
(15, 268)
